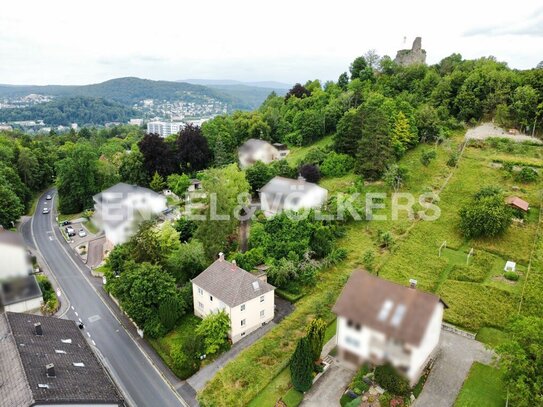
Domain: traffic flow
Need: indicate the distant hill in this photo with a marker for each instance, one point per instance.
(66, 110)
(220, 82)
(128, 91)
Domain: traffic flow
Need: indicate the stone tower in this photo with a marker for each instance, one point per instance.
(413, 56)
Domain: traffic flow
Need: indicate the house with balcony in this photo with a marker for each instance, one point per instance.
(248, 300)
(379, 321)
(254, 150)
(119, 211)
(19, 290)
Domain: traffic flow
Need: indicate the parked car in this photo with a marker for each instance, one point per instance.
(71, 234)
(45, 211)
(82, 233)
(66, 222)
(69, 230)
(48, 197)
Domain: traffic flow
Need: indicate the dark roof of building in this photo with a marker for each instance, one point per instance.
(118, 192)
(19, 289)
(8, 237)
(79, 376)
(400, 312)
(517, 203)
(230, 283)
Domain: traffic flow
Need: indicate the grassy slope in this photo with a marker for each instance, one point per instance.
(482, 388)
(472, 305)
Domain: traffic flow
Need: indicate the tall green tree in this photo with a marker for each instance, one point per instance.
(374, 155)
(77, 178)
(315, 336)
(349, 132)
(214, 329)
(11, 208)
(301, 366)
(132, 170)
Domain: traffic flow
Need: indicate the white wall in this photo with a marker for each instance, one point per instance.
(14, 262)
(25, 306)
(203, 306)
(266, 154)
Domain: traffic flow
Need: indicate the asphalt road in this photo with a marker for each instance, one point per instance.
(132, 370)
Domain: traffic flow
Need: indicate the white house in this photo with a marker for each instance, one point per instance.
(120, 209)
(282, 194)
(379, 321)
(254, 150)
(19, 290)
(164, 129)
(246, 299)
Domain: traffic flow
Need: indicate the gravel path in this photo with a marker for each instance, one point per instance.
(487, 130)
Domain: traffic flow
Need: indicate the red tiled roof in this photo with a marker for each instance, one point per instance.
(517, 203)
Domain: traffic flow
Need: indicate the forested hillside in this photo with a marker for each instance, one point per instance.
(66, 110)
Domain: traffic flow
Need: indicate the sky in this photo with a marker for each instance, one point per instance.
(81, 42)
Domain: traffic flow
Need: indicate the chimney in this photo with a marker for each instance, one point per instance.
(50, 368)
(37, 329)
(221, 256)
(412, 283)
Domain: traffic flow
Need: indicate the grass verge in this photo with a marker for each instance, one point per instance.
(482, 388)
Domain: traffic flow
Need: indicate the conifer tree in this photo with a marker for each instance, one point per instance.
(315, 336)
(301, 366)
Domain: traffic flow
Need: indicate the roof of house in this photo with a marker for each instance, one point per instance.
(7, 237)
(400, 312)
(118, 193)
(253, 144)
(231, 284)
(285, 186)
(517, 202)
(24, 356)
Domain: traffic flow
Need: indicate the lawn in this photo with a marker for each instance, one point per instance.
(482, 388)
(91, 227)
(491, 337)
(297, 153)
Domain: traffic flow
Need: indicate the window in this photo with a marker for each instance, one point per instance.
(243, 334)
(201, 305)
(352, 341)
(262, 314)
(242, 307)
(261, 298)
(200, 291)
(242, 322)
(210, 298)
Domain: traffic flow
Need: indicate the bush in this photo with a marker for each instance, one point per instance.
(153, 328)
(427, 156)
(385, 399)
(369, 260)
(214, 330)
(169, 311)
(485, 216)
(388, 378)
(511, 276)
(310, 172)
(184, 363)
(301, 366)
(315, 156)
(453, 160)
(358, 385)
(527, 174)
(337, 165)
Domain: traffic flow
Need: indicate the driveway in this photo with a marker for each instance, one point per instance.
(455, 355)
(200, 378)
(487, 130)
(330, 387)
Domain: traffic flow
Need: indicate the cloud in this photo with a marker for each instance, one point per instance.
(531, 26)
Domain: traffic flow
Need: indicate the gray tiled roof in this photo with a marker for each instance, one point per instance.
(11, 238)
(14, 389)
(19, 289)
(230, 284)
(72, 385)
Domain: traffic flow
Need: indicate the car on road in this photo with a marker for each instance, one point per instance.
(48, 197)
(45, 211)
(82, 233)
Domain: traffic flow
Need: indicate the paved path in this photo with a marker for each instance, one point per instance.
(199, 379)
(330, 387)
(455, 356)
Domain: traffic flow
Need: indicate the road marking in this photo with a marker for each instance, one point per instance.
(142, 351)
(80, 320)
(73, 307)
(76, 314)
(51, 238)
(94, 343)
(94, 318)
(88, 334)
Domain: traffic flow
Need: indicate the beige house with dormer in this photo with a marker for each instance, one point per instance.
(246, 299)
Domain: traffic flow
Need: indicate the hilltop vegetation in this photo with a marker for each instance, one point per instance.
(66, 110)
